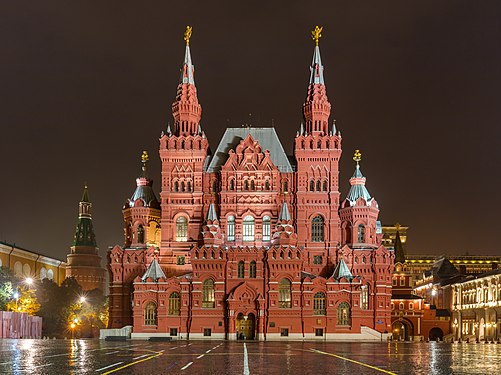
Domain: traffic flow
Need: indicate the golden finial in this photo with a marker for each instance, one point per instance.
(357, 156)
(187, 34)
(317, 34)
(144, 157)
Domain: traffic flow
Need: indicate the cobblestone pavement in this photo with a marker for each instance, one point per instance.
(39, 357)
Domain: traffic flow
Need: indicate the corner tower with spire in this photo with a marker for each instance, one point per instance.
(317, 151)
(84, 262)
(183, 152)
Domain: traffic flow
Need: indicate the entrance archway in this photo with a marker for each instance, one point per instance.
(402, 330)
(436, 333)
(246, 326)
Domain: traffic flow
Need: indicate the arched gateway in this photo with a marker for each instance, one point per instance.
(246, 326)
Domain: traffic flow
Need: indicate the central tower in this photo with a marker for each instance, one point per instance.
(317, 151)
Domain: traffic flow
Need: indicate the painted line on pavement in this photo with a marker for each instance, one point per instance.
(200, 356)
(208, 351)
(107, 367)
(173, 348)
(353, 361)
(246, 361)
(141, 356)
(188, 365)
(132, 363)
(115, 352)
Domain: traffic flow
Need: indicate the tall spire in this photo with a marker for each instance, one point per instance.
(316, 108)
(186, 109)
(84, 233)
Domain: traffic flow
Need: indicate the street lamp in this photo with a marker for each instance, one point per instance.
(28, 281)
(82, 299)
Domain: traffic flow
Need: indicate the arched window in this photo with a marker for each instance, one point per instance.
(266, 228)
(176, 186)
(232, 184)
(26, 270)
(325, 186)
(267, 185)
(241, 270)
(208, 300)
(183, 189)
(361, 233)
(253, 185)
(43, 273)
(318, 185)
(343, 314)
(246, 184)
(174, 303)
(284, 294)
(181, 229)
(319, 304)
(140, 234)
(150, 314)
(189, 185)
(50, 274)
(286, 186)
(312, 185)
(248, 229)
(230, 228)
(18, 269)
(317, 229)
(364, 297)
(252, 270)
(214, 186)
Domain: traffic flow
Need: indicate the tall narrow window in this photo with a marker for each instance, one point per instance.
(266, 228)
(267, 185)
(241, 270)
(232, 184)
(343, 314)
(208, 300)
(214, 186)
(318, 185)
(319, 304)
(189, 185)
(150, 314)
(140, 234)
(317, 229)
(176, 186)
(325, 186)
(174, 303)
(284, 294)
(361, 233)
(286, 186)
(312, 185)
(183, 188)
(248, 229)
(246, 184)
(364, 297)
(253, 185)
(252, 270)
(230, 228)
(181, 229)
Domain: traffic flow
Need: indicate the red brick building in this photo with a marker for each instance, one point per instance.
(249, 242)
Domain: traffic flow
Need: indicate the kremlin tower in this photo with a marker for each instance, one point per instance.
(84, 262)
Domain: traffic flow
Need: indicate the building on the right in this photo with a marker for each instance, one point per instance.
(476, 307)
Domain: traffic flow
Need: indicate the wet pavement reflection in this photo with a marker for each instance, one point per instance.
(40, 357)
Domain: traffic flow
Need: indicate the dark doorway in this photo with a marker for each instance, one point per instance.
(436, 333)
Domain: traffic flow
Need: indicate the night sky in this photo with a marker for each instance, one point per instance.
(415, 85)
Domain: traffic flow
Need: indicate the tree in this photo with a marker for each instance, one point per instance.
(26, 303)
(8, 283)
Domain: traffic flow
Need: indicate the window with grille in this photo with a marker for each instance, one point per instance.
(343, 314)
(317, 259)
(284, 332)
(140, 234)
(248, 229)
(252, 270)
(319, 303)
(266, 228)
(364, 297)
(174, 303)
(284, 294)
(173, 331)
(207, 332)
(361, 233)
(150, 314)
(208, 299)
(241, 270)
(230, 228)
(181, 229)
(180, 260)
(319, 331)
(317, 229)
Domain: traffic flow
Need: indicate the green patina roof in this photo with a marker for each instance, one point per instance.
(84, 234)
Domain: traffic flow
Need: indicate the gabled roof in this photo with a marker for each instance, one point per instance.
(341, 271)
(154, 271)
(267, 138)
